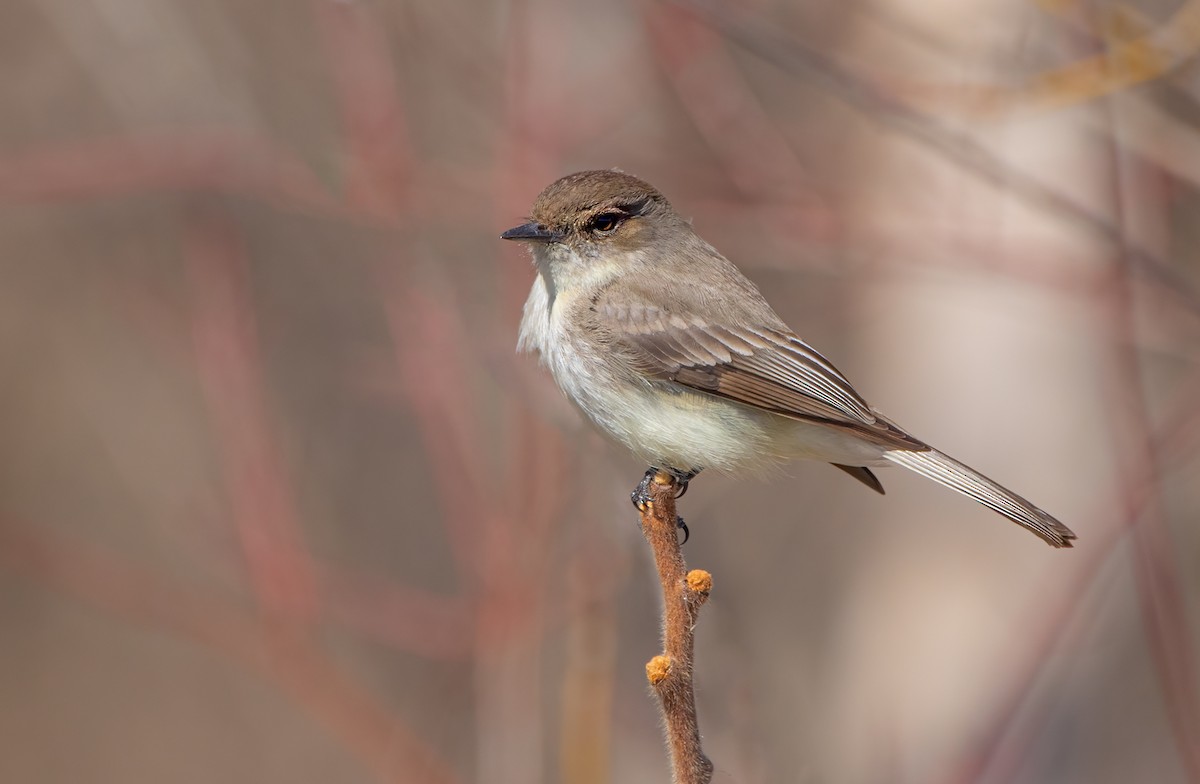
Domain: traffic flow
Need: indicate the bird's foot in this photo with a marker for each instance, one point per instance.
(641, 494)
(681, 481)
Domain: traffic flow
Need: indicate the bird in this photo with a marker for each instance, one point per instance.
(669, 349)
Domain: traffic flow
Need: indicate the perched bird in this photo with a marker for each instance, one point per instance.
(667, 347)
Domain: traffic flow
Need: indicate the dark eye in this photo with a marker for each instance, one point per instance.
(606, 222)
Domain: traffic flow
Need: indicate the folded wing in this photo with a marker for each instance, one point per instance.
(767, 368)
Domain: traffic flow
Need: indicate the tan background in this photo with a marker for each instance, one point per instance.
(278, 502)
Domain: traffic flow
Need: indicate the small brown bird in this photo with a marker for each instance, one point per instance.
(670, 350)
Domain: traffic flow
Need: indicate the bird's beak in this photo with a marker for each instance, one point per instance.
(531, 232)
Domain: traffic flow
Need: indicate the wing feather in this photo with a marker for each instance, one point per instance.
(768, 368)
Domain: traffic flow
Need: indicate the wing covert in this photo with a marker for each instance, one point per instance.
(765, 367)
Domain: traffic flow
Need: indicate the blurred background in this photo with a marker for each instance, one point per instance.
(279, 502)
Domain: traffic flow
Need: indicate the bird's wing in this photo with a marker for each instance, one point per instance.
(765, 367)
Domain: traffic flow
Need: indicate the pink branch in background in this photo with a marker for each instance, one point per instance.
(378, 159)
(399, 616)
(229, 364)
(429, 345)
(182, 160)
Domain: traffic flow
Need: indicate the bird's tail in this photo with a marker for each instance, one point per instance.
(947, 471)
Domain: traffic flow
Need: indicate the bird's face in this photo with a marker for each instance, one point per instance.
(589, 227)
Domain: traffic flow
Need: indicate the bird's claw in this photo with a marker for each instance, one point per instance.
(641, 494)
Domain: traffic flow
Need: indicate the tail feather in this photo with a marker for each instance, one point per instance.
(950, 473)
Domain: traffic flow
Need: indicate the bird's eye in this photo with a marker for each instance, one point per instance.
(606, 222)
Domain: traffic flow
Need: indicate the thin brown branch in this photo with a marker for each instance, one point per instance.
(670, 673)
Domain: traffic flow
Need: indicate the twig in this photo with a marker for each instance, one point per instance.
(670, 673)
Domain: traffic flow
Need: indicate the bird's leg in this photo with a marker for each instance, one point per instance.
(641, 494)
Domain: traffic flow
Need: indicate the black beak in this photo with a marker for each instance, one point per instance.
(531, 232)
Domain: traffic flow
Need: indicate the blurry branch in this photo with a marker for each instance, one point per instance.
(1140, 519)
(1179, 435)
(425, 338)
(670, 673)
(589, 667)
(1155, 570)
(215, 160)
(227, 161)
(378, 152)
(272, 651)
(1176, 443)
(502, 547)
(230, 368)
(405, 618)
(822, 70)
(262, 502)
(500, 520)
(752, 152)
(500, 523)
(1135, 52)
